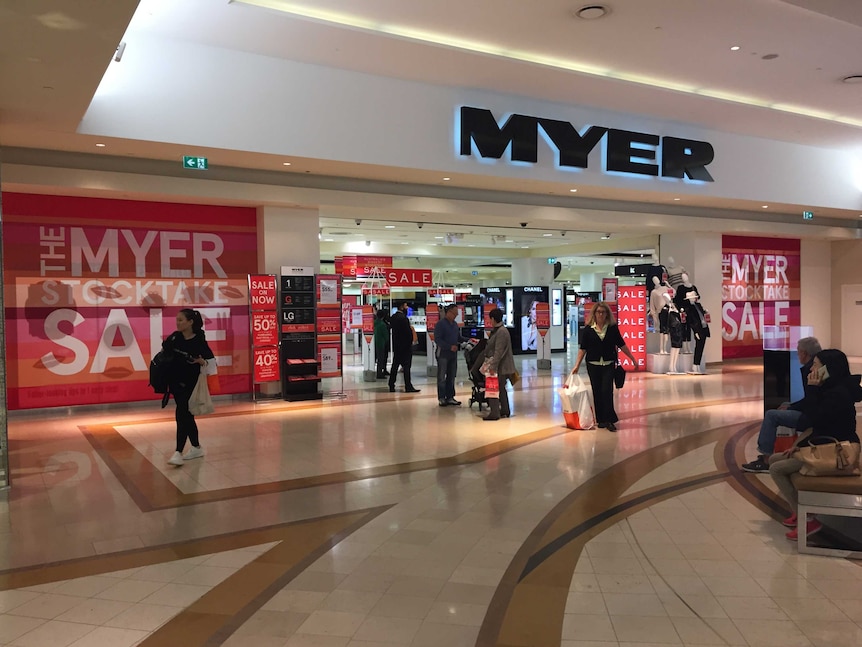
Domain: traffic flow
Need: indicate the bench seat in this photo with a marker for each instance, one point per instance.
(839, 496)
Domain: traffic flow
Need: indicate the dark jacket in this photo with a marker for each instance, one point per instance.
(446, 335)
(402, 334)
(381, 335)
(598, 349)
(183, 373)
(830, 409)
(805, 369)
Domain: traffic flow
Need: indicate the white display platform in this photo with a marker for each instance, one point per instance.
(660, 364)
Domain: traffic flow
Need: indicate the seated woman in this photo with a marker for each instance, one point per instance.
(829, 409)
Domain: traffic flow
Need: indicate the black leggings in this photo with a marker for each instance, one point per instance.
(187, 428)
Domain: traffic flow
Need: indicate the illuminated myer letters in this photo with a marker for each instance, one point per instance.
(627, 151)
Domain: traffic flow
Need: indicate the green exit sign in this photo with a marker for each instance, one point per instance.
(552, 260)
(808, 215)
(195, 162)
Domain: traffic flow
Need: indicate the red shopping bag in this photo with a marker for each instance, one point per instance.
(492, 386)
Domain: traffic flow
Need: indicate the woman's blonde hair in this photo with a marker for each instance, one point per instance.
(601, 304)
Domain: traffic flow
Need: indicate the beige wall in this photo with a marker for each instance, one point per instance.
(846, 270)
(816, 289)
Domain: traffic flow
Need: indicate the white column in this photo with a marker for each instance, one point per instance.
(532, 271)
(287, 237)
(591, 282)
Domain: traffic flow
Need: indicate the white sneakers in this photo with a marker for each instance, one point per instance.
(178, 459)
(194, 452)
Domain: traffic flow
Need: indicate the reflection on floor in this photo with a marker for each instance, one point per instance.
(382, 519)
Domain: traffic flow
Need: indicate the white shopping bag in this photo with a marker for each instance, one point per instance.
(200, 402)
(576, 399)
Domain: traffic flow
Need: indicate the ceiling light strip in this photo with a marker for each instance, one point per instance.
(448, 40)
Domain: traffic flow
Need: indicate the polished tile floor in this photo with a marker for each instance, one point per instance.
(383, 520)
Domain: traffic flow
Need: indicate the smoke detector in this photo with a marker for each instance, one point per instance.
(591, 12)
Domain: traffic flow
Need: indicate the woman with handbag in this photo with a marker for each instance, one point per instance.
(828, 408)
(189, 346)
(600, 339)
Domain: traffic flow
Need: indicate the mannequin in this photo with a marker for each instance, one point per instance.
(674, 273)
(696, 316)
(657, 270)
(674, 323)
(660, 303)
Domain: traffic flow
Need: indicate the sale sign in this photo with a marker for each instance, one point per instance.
(543, 318)
(760, 285)
(408, 278)
(264, 328)
(631, 319)
(262, 291)
(432, 316)
(368, 322)
(94, 285)
(266, 364)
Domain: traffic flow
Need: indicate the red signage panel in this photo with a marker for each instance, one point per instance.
(266, 364)
(264, 328)
(543, 317)
(631, 318)
(262, 293)
(408, 278)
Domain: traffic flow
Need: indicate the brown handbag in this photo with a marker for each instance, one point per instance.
(833, 458)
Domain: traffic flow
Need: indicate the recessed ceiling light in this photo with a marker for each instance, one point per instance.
(328, 240)
(677, 199)
(389, 227)
(439, 237)
(735, 48)
(446, 179)
(509, 240)
(285, 163)
(547, 235)
(573, 190)
(766, 206)
(405, 242)
(591, 12)
(470, 245)
(100, 145)
(525, 247)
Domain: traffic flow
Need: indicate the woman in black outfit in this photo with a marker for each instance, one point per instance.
(829, 409)
(600, 339)
(191, 351)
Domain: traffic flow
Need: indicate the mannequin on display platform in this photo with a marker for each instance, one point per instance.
(656, 270)
(660, 304)
(696, 318)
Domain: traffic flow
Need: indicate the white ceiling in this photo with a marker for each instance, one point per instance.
(54, 52)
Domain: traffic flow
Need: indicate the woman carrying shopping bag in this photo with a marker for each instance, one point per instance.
(191, 351)
(600, 339)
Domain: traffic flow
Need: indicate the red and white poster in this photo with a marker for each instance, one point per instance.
(329, 325)
(760, 280)
(263, 292)
(631, 319)
(266, 364)
(610, 290)
(432, 316)
(368, 322)
(264, 328)
(408, 278)
(543, 318)
(93, 286)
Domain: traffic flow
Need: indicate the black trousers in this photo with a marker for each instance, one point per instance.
(602, 381)
(382, 354)
(187, 428)
(403, 359)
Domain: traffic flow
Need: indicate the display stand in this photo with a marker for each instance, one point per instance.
(432, 316)
(299, 360)
(543, 325)
(263, 333)
(374, 284)
(330, 349)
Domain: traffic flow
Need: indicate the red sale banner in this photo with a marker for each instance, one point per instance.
(432, 316)
(266, 364)
(760, 287)
(263, 293)
(264, 328)
(368, 322)
(543, 318)
(93, 286)
(631, 319)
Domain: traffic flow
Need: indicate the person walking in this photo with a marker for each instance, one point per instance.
(381, 343)
(402, 349)
(600, 339)
(498, 352)
(191, 351)
(447, 336)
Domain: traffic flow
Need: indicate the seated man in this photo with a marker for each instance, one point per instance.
(787, 415)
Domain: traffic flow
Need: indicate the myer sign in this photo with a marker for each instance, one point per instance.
(626, 151)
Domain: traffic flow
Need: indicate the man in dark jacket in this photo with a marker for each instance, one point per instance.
(447, 336)
(787, 415)
(402, 348)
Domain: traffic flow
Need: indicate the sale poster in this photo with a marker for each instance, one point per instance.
(94, 285)
(760, 286)
(631, 319)
(543, 318)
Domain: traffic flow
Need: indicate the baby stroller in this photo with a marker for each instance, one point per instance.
(474, 349)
